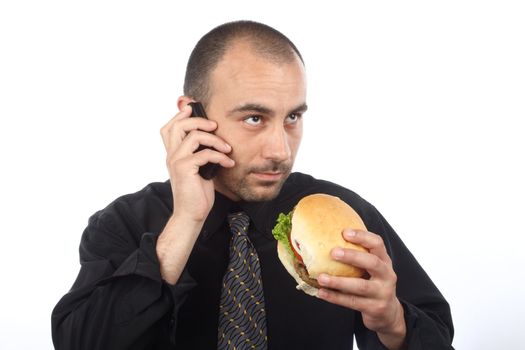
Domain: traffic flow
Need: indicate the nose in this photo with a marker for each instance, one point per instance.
(276, 145)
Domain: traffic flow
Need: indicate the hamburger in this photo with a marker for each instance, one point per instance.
(307, 234)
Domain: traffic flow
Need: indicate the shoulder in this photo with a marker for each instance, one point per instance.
(299, 185)
(143, 211)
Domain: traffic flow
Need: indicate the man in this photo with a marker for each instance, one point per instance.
(154, 263)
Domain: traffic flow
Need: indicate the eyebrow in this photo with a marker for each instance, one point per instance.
(258, 108)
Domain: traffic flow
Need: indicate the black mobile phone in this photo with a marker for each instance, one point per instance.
(209, 170)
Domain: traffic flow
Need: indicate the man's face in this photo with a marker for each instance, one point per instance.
(258, 105)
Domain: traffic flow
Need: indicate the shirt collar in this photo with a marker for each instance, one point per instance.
(263, 215)
(222, 206)
(260, 213)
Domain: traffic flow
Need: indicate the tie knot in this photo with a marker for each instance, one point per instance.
(239, 222)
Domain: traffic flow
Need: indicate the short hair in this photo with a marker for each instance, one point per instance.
(210, 49)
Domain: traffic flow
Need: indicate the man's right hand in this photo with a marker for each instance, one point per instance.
(193, 196)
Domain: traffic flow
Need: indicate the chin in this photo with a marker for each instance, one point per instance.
(259, 193)
(260, 197)
(249, 191)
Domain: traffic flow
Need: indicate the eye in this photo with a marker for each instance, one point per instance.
(293, 118)
(253, 120)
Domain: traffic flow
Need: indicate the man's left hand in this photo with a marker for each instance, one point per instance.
(375, 297)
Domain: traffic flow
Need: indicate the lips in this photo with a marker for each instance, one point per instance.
(268, 176)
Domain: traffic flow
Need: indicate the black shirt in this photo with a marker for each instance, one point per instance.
(119, 300)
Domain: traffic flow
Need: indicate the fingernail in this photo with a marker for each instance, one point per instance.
(323, 279)
(322, 293)
(349, 233)
(338, 253)
(228, 146)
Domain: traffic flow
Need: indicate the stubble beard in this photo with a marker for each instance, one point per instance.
(238, 181)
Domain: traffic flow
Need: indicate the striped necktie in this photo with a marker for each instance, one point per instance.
(242, 318)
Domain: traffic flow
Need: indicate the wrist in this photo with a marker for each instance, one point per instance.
(394, 336)
(174, 246)
(179, 229)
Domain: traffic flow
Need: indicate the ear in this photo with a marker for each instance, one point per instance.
(183, 100)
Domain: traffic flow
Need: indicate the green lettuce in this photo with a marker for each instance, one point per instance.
(282, 229)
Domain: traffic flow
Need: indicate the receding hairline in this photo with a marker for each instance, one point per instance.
(245, 44)
(242, 49)
(286, 54)
(249, 46)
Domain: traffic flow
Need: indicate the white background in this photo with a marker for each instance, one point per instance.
(414, 105)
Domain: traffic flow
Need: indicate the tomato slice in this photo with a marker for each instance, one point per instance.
(297, 256)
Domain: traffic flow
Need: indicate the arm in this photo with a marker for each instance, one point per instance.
(193, 196)
(131, 284)
(118, 298)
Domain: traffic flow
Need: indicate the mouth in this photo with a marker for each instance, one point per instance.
(268, 175)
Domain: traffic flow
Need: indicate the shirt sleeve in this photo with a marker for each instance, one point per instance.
(119, 299)
(427, 313)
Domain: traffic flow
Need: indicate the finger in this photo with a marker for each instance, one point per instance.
(210, 156)
(351, 301)
(173, 135)
(377, 314)
(185, 112)
(197, 138)
(349, 285)
(373, 242)
(190, 165)
(372, 263)
(193, 162)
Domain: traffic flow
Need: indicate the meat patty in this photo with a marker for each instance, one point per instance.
(303, 273)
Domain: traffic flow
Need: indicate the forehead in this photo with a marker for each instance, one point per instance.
(243, 76)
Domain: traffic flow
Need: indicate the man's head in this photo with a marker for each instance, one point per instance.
(210, 49)
(251, 81)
